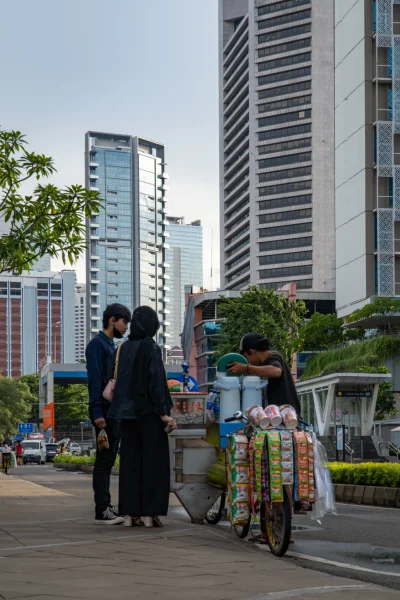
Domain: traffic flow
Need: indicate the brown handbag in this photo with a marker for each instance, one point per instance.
(109, 389)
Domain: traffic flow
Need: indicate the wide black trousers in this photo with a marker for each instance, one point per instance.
(144, 473)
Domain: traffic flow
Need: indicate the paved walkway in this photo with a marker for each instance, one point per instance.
(51, 549)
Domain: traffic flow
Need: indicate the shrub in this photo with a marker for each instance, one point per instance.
(376, 474)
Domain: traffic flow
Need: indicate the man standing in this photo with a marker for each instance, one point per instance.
(99, 353)
(271, 365)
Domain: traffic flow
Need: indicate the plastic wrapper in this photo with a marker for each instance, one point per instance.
(238, 450)
(275, 466)
(239, 474)
(240, 493)
(287, 458)
(324, 493)
(239, 513)
(102, 440)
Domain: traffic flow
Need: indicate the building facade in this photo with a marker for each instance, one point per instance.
(37, 311)
(276, 61)
(127, 240)
(80, 321)
(367, 152)
(185, 259)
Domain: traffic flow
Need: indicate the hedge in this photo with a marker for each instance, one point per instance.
(368, 473)
(77, 460)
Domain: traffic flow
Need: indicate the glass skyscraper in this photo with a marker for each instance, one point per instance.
(185, 267)
(127, 240)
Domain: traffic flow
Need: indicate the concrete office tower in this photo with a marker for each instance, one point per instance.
(127, 240)
(367, 114)
(80, 321)
(37, 312)
(185, 260)
(276, 62)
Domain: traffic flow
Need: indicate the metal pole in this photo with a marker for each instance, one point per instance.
(81, 438)
(337, 449)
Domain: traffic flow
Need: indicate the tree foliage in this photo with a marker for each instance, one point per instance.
(262, 311)
(14, 405)
(384, 308)
(322, 332)
(50, 221)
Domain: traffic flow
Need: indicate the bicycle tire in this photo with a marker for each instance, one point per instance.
(217, 517)
(242, 531)
(278, 526)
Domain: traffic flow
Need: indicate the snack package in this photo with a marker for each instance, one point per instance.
(102, 440)
(287, 458)
(259, 472)
(275, 466)
(238, 450)
(239, 474)
(252, 480)
(240, 493)
(239, 513)
(301, 488)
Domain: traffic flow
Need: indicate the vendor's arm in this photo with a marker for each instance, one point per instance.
(272, 371)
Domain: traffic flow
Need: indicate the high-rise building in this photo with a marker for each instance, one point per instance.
(276, 62)
(127, 240)
(36, 311)
(185, 260)
(80, 321)
(367, 152)
(43, 264)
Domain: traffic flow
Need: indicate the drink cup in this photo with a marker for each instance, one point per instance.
(289, 416)
(273, 414)
(258, 417)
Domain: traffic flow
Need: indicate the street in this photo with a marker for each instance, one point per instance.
(50, 548)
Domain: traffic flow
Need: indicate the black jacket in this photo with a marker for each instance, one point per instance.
(141, 386)
(99, 353)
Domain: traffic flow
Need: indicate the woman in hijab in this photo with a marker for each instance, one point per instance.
(142, 402)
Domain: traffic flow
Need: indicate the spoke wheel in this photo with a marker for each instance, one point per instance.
(278, 525)
(215, 513)
(242, 531)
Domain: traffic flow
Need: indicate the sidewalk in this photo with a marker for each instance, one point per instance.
(50, 549)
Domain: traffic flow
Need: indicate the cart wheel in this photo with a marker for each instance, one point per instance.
(215, 513)
(242, 531)
(277, 525)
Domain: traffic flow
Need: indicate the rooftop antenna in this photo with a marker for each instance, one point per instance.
(211, 269)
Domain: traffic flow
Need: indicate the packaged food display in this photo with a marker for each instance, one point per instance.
(258, 417)
(275, 466)
(273, 414)
(238, 450)
(239, 474)
(289, 416)
(240, 493)
(301, 487)
(239, 513)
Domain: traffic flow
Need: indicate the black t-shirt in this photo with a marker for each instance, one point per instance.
(280, 390)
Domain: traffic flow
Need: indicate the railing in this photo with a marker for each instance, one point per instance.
(391, 448)
(348, 450)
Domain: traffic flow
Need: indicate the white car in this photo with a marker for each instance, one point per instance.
(74, 448)
(34, 451)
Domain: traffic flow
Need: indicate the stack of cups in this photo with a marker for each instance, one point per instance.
(273, 414)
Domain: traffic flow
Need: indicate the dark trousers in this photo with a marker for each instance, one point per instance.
(104, 462)
(144, 476)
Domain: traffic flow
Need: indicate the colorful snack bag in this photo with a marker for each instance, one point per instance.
(240, 493)
(239, 474)
(239, 513)
(275, 467)
(287, 457)
(301, 490)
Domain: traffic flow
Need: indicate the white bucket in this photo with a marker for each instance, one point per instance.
(229, 397)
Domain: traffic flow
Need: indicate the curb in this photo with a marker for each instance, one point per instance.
(367, 494)
(82, 468)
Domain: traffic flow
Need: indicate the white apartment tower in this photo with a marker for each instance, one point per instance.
(367, 151)
(80, 321)
(276, 61)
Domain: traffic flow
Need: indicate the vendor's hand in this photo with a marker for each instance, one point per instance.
(100, 423)
(236, 368)
(169, 421)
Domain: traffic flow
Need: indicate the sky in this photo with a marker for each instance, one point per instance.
(139, 67)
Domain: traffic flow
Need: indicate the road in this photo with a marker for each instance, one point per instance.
(361, 542)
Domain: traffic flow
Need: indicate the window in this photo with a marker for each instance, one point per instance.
(237, 221)
(284, 188)
(235, 249)
(238, 286)
(286, 47)
(301, 284)
(237, 195)
(285, 271)
(283, 146)
(283, 244)
(289, 18)
(284, 33)
(238, 260)
(284, 75)
(281, 104)
(285, 61)
(3, 288)
(284, 118)
(284, 132)
(238, 234)
(284, 202)
(289, 215)
(283, 90)
(56, 286)
(239, 272)
(286, 230)
(288, 159)
(283, 5)
(237, 209)
(285, 174)
(273, 259)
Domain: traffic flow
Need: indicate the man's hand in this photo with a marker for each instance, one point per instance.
(100, 423)
(169, 421)
(236, 368)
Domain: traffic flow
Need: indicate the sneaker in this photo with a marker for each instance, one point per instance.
(108, 518)
(114, 509)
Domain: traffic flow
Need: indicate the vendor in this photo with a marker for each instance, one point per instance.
(270, 365)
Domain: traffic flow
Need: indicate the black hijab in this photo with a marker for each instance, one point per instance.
(144, 324)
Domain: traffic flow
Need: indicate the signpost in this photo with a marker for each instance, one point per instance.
(357, 394)
(25, 428)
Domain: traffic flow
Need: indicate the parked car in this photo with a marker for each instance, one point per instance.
(51, 452)
(34, 451)
(74, 448)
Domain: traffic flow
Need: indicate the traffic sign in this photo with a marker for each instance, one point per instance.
(18, 436)
(25, 427)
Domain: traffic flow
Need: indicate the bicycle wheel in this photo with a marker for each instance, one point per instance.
(277, 525)
(242, 530)
(214, 515)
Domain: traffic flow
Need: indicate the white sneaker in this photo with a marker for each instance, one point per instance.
(108, 518)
